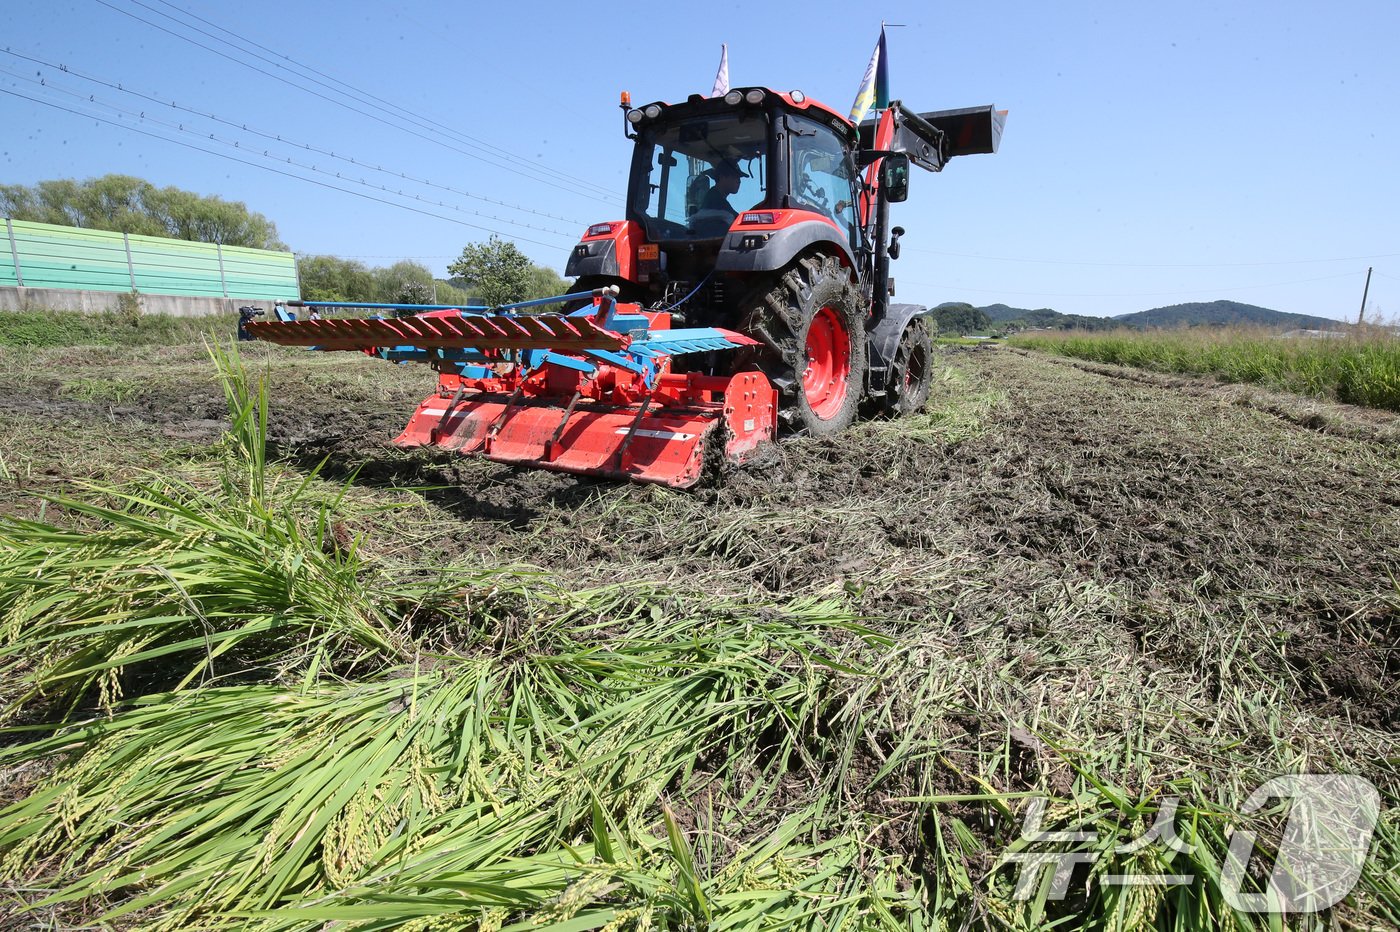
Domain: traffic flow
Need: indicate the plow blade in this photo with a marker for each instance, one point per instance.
(665, 445)
(457, 331)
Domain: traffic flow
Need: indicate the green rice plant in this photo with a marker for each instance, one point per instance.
(111, 328)
(619, 758)
(174, 582)
(529, 784)
(1362, 369)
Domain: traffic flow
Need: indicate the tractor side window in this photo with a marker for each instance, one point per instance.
(823, 178)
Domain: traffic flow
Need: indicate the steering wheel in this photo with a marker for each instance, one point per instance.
(708, 223)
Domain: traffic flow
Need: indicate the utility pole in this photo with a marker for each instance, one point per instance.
(1364, 291)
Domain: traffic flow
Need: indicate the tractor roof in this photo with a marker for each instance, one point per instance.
(745, 97)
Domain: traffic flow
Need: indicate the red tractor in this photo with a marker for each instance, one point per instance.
(746, 293)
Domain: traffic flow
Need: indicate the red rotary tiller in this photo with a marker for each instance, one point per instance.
(591, 392)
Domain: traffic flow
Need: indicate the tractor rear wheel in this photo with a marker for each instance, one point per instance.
(810, 325)
(907, 388)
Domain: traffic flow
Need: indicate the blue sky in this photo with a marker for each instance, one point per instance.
(1154, 154)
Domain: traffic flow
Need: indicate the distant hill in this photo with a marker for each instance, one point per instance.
(999, 313)
(1197, 314)
(1223, 313)
(1045, 317)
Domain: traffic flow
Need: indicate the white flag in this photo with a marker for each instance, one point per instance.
(722, 75)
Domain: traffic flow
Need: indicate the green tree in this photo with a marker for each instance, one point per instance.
(404, 282)
(125, 204)
(545, 283)
(414, 292)
(446, 293)
(960, 317)
(496, 271)
(329, 278)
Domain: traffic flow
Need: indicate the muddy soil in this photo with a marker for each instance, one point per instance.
(1199, 512)
(1189, 519)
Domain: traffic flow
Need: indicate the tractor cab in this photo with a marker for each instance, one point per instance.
(723, 187)
(692, 176)
(698, 165)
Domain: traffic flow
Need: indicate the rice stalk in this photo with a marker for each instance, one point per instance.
(493, 783)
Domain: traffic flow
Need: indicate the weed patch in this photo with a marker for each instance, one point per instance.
(113, 328)
(1362, 369)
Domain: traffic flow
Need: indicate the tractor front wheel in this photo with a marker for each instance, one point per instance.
(811, 329)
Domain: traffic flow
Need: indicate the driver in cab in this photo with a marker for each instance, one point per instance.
(727, 175)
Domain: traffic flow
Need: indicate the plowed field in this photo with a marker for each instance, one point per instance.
(1078, 567)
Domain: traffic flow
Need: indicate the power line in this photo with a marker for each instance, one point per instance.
(323, 184)
(352, 91)
(339, 103)
(277, 137)
(180, 128)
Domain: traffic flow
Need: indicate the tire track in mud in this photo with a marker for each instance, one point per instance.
(1207, 518)
(1197, 525)
(1183, 522)
(1194, 523)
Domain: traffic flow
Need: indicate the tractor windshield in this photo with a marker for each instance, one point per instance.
(700, 174)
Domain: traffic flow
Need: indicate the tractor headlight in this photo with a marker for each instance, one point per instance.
(797, 97)
(733, 97)
(653, 111)
(754, 96)
(634, 116)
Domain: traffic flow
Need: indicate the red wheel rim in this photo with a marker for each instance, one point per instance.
(828, 364)
(914, 368)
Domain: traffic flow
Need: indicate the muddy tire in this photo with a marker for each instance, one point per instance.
(810, 325)
(907, 388)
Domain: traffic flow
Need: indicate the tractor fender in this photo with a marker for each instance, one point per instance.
(606, 253)
(883, 341)
(779, 245)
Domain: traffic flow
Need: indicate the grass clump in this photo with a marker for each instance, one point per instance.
(177, 580)
(1361, 369)
(507, 784)
(109, 328)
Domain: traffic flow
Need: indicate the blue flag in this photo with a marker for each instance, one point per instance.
(874, 93)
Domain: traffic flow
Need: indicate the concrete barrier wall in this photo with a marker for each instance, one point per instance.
(95, 302)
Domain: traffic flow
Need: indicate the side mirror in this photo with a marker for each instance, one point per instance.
(894, 177)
